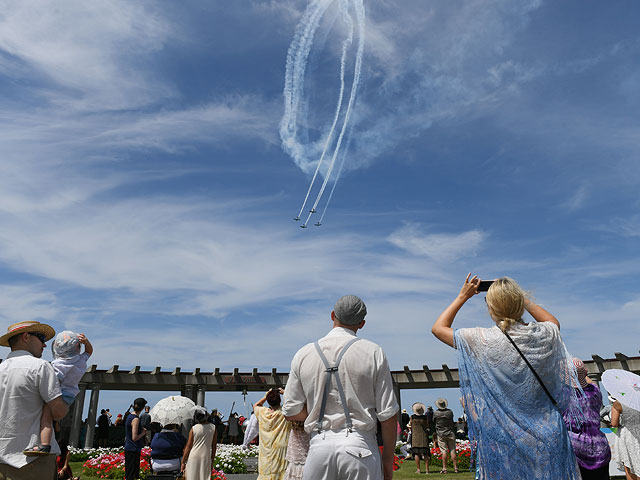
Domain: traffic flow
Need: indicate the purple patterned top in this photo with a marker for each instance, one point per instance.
(589, 443)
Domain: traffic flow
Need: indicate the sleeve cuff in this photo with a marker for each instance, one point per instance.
(388, 413)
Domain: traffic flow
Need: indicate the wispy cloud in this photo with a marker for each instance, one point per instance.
(26, 302)
(80, 46)
(578, 199)
(443, 247)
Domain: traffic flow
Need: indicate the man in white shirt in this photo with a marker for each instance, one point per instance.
(342, 423)
(27, 383)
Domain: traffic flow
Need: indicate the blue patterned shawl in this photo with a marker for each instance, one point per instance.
(519, 433)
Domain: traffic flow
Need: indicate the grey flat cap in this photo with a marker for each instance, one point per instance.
(350, 310)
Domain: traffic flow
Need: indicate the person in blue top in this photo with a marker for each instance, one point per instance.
(134, 441)
(166, 449)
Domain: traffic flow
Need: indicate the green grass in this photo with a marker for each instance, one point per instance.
(76, 468)
(408, 471)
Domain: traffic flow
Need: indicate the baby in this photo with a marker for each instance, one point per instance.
(69, 365)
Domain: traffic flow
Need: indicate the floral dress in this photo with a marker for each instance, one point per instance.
(274, 436)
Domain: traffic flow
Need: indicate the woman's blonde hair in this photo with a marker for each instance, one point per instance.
(506, 302)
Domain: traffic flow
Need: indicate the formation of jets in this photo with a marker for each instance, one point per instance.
(304, 225)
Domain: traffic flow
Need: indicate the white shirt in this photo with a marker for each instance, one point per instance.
(26, 384)
(365, 376)
(251, 432)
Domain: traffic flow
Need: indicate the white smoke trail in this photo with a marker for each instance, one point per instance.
(359, 11)
(335, 182)
(297, 58)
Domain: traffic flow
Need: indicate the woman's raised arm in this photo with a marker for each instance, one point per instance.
(442, 328)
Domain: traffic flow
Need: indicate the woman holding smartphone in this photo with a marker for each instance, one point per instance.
(514, 407)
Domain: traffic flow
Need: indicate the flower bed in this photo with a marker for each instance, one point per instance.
(229, 458)
(463, 454)
(109, 462)
(84, 454)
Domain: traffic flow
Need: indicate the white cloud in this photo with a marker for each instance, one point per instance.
(26, 302)
(90, 50)
(578, 199)
(442, 247)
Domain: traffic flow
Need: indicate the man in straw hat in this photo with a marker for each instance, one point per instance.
(340, 387)
(445, 431)
(28, 383)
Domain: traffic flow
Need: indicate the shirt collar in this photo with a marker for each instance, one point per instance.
(19, 353)
(341, 331)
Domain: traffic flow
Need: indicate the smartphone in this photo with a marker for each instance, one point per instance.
(484, 285)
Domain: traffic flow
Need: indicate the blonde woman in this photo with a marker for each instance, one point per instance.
(514, 407)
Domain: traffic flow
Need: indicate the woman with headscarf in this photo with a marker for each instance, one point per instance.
(512, 376)
(274, 436)
(589, 443)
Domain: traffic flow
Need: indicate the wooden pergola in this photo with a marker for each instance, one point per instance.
(194, 384)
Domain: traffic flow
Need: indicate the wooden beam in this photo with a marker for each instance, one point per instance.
(447, 372)
(624, 360)
(427, 373)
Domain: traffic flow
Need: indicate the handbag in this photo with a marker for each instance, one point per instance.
(553, 401)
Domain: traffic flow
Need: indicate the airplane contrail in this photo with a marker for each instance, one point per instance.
(359, 10)
(297, 58)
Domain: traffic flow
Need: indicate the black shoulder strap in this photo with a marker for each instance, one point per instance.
(532, 369)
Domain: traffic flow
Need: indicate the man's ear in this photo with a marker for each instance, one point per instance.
(333, 315)
(362, 324)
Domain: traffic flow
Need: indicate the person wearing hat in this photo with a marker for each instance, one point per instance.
(342, 424)
(420, 436)
(445, 431)
(405, 419)
(29, 383)
(134, 440)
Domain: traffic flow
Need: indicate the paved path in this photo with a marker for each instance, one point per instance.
(242, 476)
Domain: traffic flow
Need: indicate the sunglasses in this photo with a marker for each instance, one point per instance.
(39, 336)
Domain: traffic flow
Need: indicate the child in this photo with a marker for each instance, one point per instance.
(69, 365)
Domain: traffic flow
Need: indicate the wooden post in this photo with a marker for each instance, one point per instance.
(93, 414)
(76, 423)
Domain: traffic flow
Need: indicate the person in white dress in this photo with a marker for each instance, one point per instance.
(200, 451)
(627, 451)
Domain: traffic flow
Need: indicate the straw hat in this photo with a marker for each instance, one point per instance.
(442, 403)
(23, 327)
(418, 408)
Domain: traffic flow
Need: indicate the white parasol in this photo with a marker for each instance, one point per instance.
(173, 409)
(624, 386)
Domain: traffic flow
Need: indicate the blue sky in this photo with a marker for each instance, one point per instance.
(145, 198)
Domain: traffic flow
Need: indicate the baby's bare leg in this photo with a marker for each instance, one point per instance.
(46, 426)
